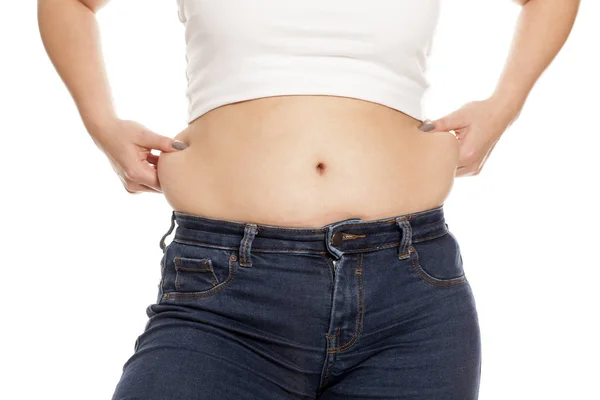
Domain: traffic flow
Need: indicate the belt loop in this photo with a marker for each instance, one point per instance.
(162, 240)
(406, 243)
(250, 231)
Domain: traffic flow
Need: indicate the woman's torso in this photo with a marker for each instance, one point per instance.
(305, 161)
(281, 131)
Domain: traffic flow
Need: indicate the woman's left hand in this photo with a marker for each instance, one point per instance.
(478, 125)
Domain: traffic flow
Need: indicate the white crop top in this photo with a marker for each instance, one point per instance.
(246, 49)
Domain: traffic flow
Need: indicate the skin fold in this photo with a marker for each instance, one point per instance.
(299, 160)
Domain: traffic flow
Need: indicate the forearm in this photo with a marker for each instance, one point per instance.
(541, 31)
(70, 34)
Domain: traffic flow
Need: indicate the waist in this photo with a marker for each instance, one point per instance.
(306, 161)
(351, 235)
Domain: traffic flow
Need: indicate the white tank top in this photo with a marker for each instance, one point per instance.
(371, 50)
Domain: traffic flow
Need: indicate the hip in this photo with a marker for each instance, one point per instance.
(251, 311)
(359, 283)
(307, 161)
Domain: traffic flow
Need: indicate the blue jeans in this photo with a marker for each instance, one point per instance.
(376, 309)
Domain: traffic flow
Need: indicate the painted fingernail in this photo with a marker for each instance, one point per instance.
(179, 145)
(427, 126)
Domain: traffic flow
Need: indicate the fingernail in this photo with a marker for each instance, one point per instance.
(427, 126)
(179, 145)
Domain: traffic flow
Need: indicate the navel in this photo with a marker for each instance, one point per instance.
(321, 168)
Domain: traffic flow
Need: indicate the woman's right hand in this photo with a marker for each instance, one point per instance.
(127, 145)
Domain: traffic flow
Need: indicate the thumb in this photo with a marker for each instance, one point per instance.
(452, 121)
(153, 140)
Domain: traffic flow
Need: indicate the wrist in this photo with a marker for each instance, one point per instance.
(97, 126)
(101, 129)
(508, 106)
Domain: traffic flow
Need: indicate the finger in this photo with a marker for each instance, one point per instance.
(451, 122)
(130, 186)
(133, 188)
(465, 171)
(148, 176)
(152, 158)
(136, 188)
(130, 191)
(150, 189)
(152, 140)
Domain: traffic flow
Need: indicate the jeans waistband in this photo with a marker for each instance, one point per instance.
(350, 235)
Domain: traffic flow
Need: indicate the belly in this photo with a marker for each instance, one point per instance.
(305, 161)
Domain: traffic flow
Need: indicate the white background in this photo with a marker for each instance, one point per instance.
(80, 256)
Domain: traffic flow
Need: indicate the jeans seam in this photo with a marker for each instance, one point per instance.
(210, 292)
(437, 235)
(361, 310)
(216, 246)
(430, 279)
(327, 265)
(281, 250)
(181, 267)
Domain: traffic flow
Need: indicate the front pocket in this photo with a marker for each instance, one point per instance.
(193, 275)
(192, 271)
(438, 261)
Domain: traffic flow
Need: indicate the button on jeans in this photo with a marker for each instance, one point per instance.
(377, 309)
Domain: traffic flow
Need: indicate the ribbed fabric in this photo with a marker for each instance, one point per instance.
(373, 50)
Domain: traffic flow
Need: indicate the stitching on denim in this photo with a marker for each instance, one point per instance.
(406, 238)
(430, 279)
(237, 224)
(244, 242)
(191, 217)
(193, 269)
(210, 292)
(280, 250)
(163, 245)
(337, 333)
(163, 262)
(437, 235)
(179, 263)
(361, 310)
(327, 265)
(217, 246)
(328, 361)
(249, 236)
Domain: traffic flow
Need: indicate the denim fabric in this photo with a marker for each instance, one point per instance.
(355, 309)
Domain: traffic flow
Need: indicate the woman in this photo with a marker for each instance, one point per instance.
(311, 257)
